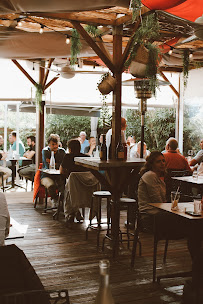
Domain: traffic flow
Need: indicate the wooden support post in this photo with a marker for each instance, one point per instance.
(40, 118)
(116, 108)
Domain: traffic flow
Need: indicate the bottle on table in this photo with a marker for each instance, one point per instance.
(110, 149)
(103, 151)
(52, 161)
(120, 151)
(104, 295)
(10, 153)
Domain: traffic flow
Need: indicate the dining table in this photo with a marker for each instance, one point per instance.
(114, 175)
(14, 168)
(196, 182)
(184, 211)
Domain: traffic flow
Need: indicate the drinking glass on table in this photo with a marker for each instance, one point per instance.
(197, 206)
(195, 174)
(175, 196)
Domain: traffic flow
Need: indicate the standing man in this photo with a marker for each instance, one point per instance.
(52, 182)
(28, 171)
(12, 140)
(83, 141)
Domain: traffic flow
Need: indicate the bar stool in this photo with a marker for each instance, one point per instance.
(125, 204)
(97, 226)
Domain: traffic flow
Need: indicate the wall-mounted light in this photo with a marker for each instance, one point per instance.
(41, 29)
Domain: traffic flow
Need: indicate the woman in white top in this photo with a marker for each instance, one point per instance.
(152, 188)
(4, 219)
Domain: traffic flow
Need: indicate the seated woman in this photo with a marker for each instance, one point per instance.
(152, 189)
(4, 219)
(68, 165)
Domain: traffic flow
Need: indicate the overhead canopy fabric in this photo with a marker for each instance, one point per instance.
(18, 6)
(16, 44)
(189, 9)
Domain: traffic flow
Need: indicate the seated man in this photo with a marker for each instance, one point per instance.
(28, 171)
(12, 140)
(198, 159)
(68, 165)
(92, 146)
(136, 154)
(4, 219)
(52, 182)
(6, 171)
(175, 160)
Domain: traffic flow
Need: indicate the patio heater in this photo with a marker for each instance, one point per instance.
(142, 90)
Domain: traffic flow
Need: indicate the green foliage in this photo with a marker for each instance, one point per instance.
(186, 62)
(75, 46)
(67, 127)
(159, 126)
(38, 95)
(136, 7)
(105, 117)
(93, 30)
(151, 71)
(148, 31)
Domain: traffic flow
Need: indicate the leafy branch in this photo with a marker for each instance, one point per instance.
(186, 62)
(135, 5)
(38, 95)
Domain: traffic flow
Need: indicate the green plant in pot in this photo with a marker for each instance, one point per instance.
(106, 84)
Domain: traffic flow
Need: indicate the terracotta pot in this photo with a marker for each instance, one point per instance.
(139, 63)
(107, 85)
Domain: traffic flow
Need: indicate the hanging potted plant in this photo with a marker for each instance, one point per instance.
(139, 63)
(107, 84)
(186, 62)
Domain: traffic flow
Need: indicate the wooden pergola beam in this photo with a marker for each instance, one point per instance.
(50, 82)
(171, 86)
(82, 17)
(93, 45)
(47, 73)
(103, 47)
(23, 71)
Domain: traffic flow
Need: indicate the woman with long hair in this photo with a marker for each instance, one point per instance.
(152, 188)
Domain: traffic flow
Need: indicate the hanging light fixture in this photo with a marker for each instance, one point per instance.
(41, 29)
(19, 22)
(191, 56)
(67, 39)
(170, 51)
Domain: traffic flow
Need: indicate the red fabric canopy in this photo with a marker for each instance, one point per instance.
(161, 4)
(189, 9)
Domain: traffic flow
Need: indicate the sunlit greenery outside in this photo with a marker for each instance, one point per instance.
(159, 126)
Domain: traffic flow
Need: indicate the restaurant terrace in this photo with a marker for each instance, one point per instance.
(137, 46)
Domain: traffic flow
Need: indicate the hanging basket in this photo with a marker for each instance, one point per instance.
(139, 63)
(107, 85)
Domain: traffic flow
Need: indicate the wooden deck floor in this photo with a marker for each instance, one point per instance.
(64, 259)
